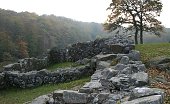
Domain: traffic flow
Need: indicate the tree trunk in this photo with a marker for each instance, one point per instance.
(141, 36)
(141, 29)
(136, 36)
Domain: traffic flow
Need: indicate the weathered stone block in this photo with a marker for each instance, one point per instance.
(124, 60)
(105, 57)
(75, 97)
(154, 99)
(140, 79)
(145, 91)
(102, 65)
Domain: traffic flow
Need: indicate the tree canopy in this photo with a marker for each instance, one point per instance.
(30, 35)
(135, 16)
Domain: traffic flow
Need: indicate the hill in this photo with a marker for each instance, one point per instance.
(30, 35)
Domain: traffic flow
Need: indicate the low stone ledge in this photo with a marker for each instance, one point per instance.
(154, 99)
(38, 78)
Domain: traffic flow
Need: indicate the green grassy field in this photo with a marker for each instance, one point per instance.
(149, 51)
(60, 65)
(19, 96)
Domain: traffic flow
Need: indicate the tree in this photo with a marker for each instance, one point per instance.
(6, 45)
(135, 15)
(23, 49)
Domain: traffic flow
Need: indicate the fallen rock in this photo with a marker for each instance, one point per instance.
(102, 65)
(108, 73)
(105, 57)
(145, 91)
(161, 62)
(73, 97)
(134, 55)
(120, 67)
(41, 100)
(124, 60)
(140, 79)
(154, 99)
(91, 87)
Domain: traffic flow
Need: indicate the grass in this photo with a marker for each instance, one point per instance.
(19, 96)
(149, 51)
(60, 65)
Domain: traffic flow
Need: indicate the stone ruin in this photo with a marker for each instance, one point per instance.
(28, 72)
(118, 79)
(79, 51)
(38, 78)
(27, 64)
(118, 75)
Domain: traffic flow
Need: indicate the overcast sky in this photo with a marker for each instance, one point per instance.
(81, 10)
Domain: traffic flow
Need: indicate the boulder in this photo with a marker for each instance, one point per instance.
(134, 55)
(41, 100)
(58, 96)
(121, 82)
(90, 87)
(73, 97)
(115, 48)
(154, 99)
(145, 91)
(105, 57)
(161, 62)
(120, 67)
(107, 85)
(126, 71)
(100, 98)
(140, 79)
(97, 75)
(102, 65)
(12, 67)
(108, 73)
(124, 60)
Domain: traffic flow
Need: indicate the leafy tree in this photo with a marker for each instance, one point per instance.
(28, 34)
(6, 45)
(135, 15)
(23, 49)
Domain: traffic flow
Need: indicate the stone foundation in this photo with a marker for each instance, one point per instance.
(79, 51)
(27, 64)
(38, 78)
(123, 83)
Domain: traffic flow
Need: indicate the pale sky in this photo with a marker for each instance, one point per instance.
(81, 10)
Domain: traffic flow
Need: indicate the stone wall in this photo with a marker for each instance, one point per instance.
(125, 82)
(27, 64)
(115, 44)
(38, 78)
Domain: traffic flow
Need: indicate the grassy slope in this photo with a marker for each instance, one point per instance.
(149, 51)
(19, 96)
(60, 65)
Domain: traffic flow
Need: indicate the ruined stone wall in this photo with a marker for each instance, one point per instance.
(27, 64)
(38, 78)
(125, 82)
(78, 51)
